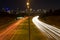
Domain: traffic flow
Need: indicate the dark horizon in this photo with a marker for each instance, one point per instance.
(35, 4)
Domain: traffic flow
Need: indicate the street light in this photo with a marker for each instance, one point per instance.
(28, 5)
(28, 9)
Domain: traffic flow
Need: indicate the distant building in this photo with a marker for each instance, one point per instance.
(3, 10)
(8, 11)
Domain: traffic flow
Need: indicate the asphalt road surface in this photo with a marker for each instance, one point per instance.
(20, 30)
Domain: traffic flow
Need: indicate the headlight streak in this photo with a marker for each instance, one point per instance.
(52, 31)
(41, 28)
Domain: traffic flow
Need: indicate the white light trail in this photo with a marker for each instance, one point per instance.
(49, 30)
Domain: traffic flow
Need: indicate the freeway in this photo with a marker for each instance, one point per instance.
(50, 31)
(9, 31)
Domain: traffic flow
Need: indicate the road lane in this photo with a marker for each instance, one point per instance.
(51, 31)
(10, 29)
(21, 32)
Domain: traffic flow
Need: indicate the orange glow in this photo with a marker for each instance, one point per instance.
(10, 29)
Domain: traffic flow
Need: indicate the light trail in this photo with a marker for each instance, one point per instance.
(10, 29)
(50, 31)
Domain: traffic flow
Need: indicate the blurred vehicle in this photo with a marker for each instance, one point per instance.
(19, 17)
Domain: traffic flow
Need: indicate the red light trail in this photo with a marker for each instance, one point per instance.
(10, 29)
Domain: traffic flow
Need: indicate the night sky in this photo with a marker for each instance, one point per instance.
(35, 4)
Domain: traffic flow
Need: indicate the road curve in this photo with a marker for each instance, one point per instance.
(50, 31)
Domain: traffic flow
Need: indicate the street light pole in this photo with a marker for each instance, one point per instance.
(28, 8)
(28, 5)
